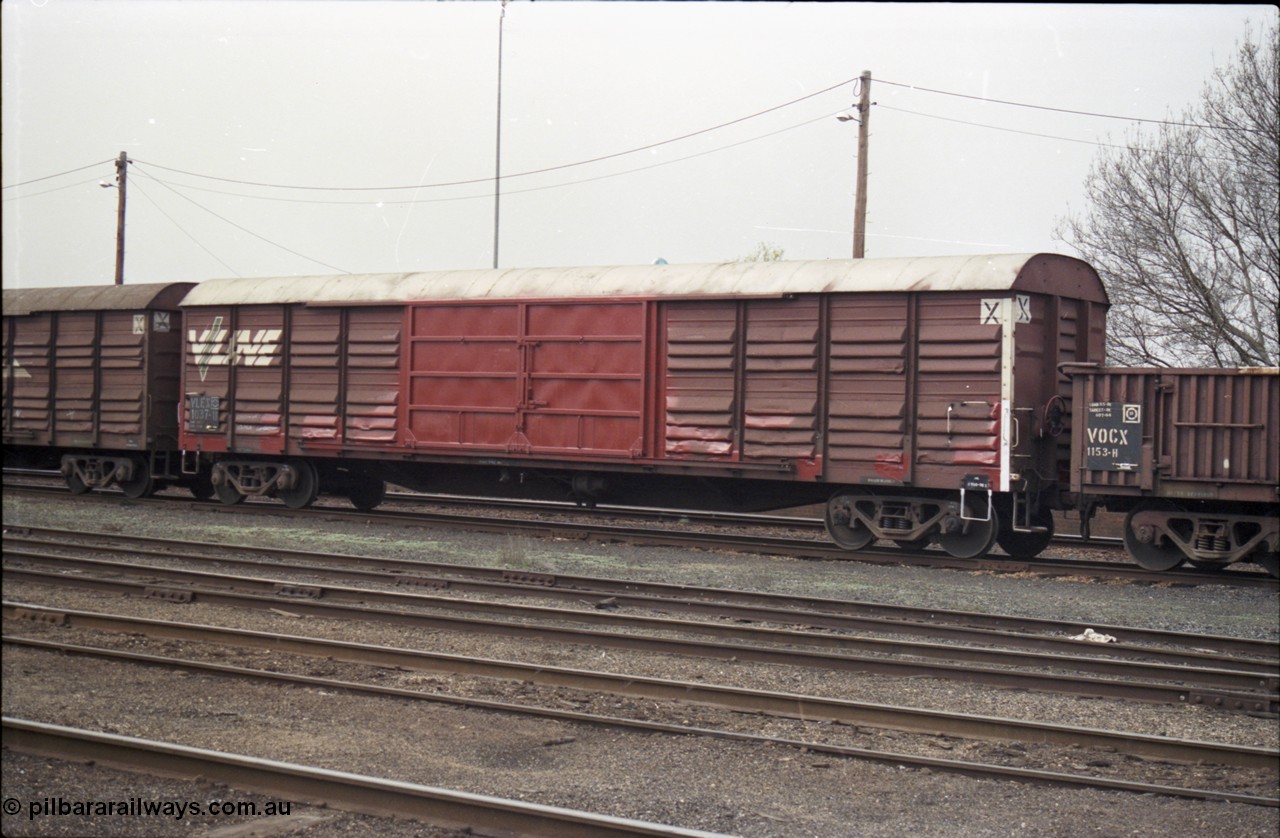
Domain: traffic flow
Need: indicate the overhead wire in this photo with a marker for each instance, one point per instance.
(1066, 110)
(560, 167)
(59, 174)
(489, 195)
(181, 229)
(141, 165)
(1051, 136)
(174, 187)
(47, 191)
(247, 230)
(472, 181)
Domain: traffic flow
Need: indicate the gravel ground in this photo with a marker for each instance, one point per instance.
(691, 782)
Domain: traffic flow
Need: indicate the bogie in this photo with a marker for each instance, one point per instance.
(856, 517)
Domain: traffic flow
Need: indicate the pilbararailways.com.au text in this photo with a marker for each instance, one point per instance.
(138, 807)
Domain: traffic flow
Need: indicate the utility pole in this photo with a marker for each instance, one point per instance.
(122, 178)
(497, 157)
(860, 199)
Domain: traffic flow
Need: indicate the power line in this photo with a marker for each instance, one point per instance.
(1056, 137)
(245, 229)
(47, 191)
(59, 174)
(1067, 110)
(181, 229)
(510, 192)
(473, 181)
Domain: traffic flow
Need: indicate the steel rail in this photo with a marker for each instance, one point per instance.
(323, 787)
(757, 544)
(754, 544)
(816, 611)
(807, 549)
(788, 705)
(1220, 688)
(1066, 652)
(611, 509)
(658, 513)
(964, 767)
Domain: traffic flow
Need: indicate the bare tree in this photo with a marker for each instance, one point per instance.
(764, 252)
(1183, 226)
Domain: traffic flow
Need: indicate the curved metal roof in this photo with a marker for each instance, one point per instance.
(1035, 273)
(19, 301)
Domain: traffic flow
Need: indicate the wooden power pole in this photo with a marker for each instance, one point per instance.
(860, 198)
(122, 178)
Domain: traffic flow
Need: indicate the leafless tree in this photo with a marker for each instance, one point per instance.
(764, 252)
(1183, 226)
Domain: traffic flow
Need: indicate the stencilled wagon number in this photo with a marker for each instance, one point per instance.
(1113, 436)
(203, 413)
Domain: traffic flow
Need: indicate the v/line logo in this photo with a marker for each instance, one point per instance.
(245, 347)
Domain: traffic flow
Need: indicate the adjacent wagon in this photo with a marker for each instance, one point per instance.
(1189, 455)
(91, 383)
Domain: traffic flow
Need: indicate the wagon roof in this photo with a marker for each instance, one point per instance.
(1033, 273)
(19, 301)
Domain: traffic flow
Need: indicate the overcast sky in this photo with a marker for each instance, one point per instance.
(223, 104)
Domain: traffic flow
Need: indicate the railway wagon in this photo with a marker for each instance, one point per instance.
(1189, 454)
(920, 399)
(91, 383)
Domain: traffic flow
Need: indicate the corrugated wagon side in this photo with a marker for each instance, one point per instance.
(922, 393)
(957, 393)
(91, 382)
(1189, 454)
(276, 393)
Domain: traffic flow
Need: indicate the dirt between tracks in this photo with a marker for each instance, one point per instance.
(690, 782)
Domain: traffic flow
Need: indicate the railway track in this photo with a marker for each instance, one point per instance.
(671, 516)
(754, 543)
(836, 729)
(929, 724)
(1227, 689)
(717, 602)
(335, 789)
(740, 520)
(1246, 686)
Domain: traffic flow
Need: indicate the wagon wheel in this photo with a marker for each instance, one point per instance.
(227, 493)
(366, 492)
(843, 526)
(76, 485)
(304, 491)
(1268, 561)
(1148, 554)
(974, 540)
(1028, 545)
(140, 485)
(201, 488)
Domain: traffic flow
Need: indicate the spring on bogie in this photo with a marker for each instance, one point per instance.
(895, 519)
(1213, 543)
